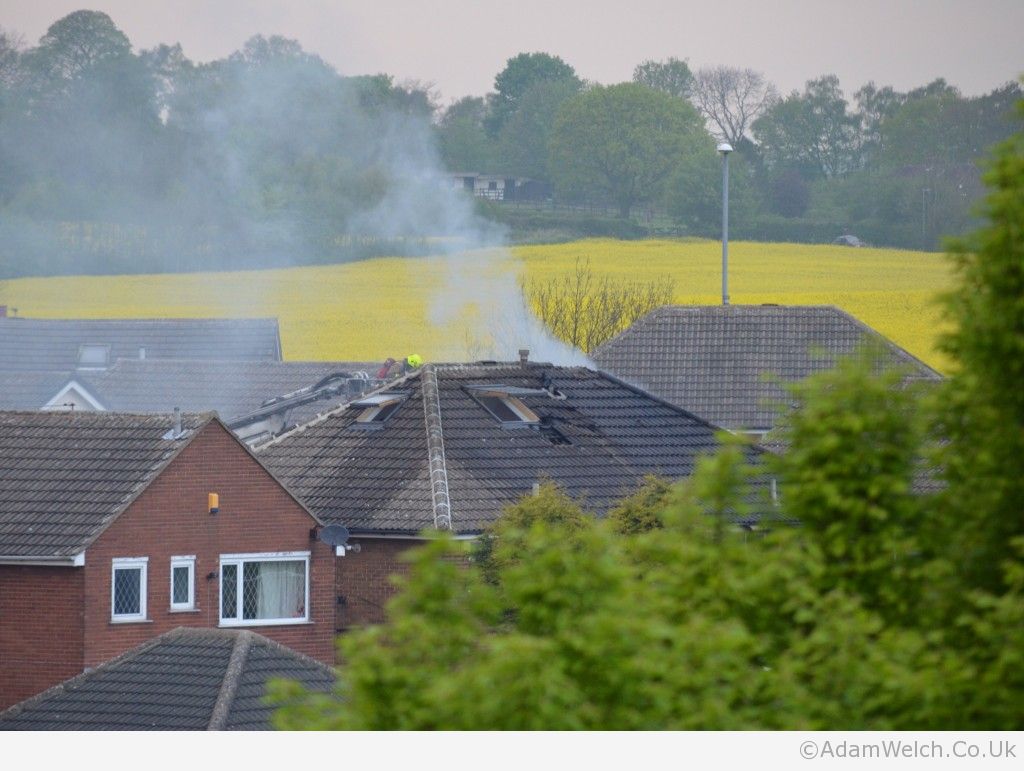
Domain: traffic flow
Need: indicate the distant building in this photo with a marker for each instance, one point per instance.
(497, 187)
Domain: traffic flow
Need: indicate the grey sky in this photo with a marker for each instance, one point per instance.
(460, 44)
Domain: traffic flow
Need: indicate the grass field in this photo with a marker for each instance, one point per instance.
(393, 306)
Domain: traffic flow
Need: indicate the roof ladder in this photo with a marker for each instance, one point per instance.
(441, 501)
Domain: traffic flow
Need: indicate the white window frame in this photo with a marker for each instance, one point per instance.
(239, 560)
(129, 563)
(190, 563)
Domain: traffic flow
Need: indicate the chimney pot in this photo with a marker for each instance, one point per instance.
(142, 353)
(524, 356)
(177, 421)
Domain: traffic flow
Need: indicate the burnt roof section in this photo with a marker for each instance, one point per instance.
(231, 388)
(65, 476)
(187, 679)
(55, 344)
(597, 437)
(725, 363)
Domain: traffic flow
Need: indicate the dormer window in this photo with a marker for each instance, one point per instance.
(93, 356)
(377, 409)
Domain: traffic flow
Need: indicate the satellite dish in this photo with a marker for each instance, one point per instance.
(334, 535)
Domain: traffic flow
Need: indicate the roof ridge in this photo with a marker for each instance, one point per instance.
(437, 465)
(229, 685)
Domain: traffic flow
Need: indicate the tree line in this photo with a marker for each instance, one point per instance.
(897, 168)
(121, 160)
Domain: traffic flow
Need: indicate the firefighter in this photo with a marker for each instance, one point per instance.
(411, 362)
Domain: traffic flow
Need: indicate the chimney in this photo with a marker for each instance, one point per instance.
(177, 421)
(524, 357)
(3, 311)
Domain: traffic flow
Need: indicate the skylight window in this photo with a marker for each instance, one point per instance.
(506, 408)
(376, 410)
(93, 356)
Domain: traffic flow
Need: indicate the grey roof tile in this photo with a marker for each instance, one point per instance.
(173, 682)
(64, 476)
(53, 344)
(728, 363)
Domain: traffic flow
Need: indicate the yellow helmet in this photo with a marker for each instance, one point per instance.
(414, 360)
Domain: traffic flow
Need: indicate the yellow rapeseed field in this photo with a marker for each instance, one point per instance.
(394, 306)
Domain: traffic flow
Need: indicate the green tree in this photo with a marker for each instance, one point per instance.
(521, 72)
(811, 131)
(623, 142)
(464, 142)
(984, 423)
(672, 77)
(526, 135)
(77, 43)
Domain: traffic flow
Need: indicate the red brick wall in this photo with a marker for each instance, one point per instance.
(171, 518)
(364, 579)
(40, 629)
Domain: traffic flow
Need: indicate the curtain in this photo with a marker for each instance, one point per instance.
(281, 590)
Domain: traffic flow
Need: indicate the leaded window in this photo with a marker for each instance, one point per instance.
(264, 589)
(183, 583)
(128, 589)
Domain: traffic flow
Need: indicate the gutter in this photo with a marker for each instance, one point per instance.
(74, 561)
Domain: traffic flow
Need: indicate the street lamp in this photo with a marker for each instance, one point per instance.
(725, 148)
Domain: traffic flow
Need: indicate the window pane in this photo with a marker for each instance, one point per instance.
(228, 591)
(500, 409)
(179, 594)
(127, 591)
(250, 589)
(274, 590)
(93, 355)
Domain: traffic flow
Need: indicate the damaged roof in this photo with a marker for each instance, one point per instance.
(231, 388)
(443, 452)
(65, 476)
(56, 345)
(187, 680)
(728, 363)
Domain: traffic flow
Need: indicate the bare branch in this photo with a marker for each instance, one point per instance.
(730, 99)
(586, 310)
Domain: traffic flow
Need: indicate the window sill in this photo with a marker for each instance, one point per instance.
(119, 621)
(284, 622)
(183, 610)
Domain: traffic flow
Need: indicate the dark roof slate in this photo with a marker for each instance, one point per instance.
(64, 476)
(597, 442)
(727, 363)
(173, 682)
(53, 344)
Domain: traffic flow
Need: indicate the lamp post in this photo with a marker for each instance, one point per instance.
(725, 148)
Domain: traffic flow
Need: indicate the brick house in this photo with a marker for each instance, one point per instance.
(450, 445)
(108, 539)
